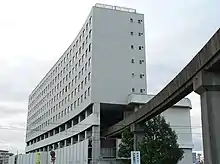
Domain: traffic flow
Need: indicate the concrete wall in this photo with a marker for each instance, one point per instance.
(179, 120)
(112, 69)
(74, 154)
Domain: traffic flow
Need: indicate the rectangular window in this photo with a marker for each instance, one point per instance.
(89, 90)
(133, 89)
(71, 108)
(86, 66)
(82, 85)
(140, 33)
(132, 33)
(90, 47)
(80, 49)
(140, 21)
(86, 39)
(79, 74)
(81, 98)
(86, 53)
(132, 46)
(82, 70)
(85, 94)
(75, 91)
(141, 76)
(79, 62)
(83, 33)
(90, 32)
(132, 60)
(141, 61)
(89, 76)
(142, 90)
(133, 75)
(75, 78)
(131, 20)
(140, 47)
(74, 104)
(78, 88)
(85, 80)
(78, 102)
(83, 45)
(89, 61)
(87, 26)
(90, 20)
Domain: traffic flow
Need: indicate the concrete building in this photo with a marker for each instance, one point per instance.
(97, 82)
(4, 156)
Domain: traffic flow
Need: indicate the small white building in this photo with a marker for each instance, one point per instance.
(89, 89)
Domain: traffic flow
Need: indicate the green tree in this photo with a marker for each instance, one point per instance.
(159, 145)
(126, 146)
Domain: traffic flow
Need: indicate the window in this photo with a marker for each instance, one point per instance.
(77, 43)
(140, 47)
(71, 107)
(82, 70)
(133, 89)
(86, 52)
(75, 91)
(89, 90)
(89, 75)
(76, 67)
(89, 47)
(83, 33)
(141, 76)
(79, 62)
(86, 66)
(82, 85)
(87, 26)
(90, 32)
(79, 74)
(89, 61)
(86, 39)
(131, 20)
(140, 33)
(132, 33)
(90, 20)
(74, 104)
(81, 97)
(132, 60)
(79, 88)
(132, 74)
(141, 61)
(85, 94)
(142, 90)
(83, 45)
(75, 79)
(139, 21)
(80, 50)
(80, 38)
(132, 46)
(85, 80)
(78, 102)
(83, 57)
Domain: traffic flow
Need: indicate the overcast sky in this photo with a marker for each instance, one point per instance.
(34, 34)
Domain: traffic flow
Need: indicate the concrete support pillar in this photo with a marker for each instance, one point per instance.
(96, 145)
(138, 130)
(207, 85)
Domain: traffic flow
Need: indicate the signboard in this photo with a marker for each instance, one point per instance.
(135, 157)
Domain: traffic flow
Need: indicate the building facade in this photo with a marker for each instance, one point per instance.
(4, 156)
(89, 89)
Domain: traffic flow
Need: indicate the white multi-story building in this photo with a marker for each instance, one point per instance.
(88, 88)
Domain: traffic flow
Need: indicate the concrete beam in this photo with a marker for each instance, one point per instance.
(177, 89)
